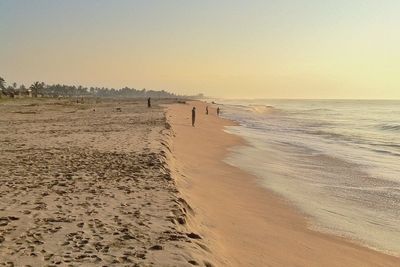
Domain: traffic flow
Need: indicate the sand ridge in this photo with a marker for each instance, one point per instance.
(87, 185)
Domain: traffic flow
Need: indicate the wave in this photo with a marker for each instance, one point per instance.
(317, 109)
(332, 135)
(390, 127)
(386, 144)
(253, 108)
(262, 109)
(314, 111)
(381, 151)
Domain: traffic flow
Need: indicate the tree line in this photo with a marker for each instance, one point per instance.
(62, 90)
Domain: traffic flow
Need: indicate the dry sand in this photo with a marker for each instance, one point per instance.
(85, 187)
(80, 187)
(244, 224)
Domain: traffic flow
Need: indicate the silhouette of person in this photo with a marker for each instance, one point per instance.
(149, 102)
(218, 111)
(206, 110)
(193, 115)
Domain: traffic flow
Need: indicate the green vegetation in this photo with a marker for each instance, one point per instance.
(61, 90)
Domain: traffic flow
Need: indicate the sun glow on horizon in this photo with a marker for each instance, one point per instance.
(231, 49)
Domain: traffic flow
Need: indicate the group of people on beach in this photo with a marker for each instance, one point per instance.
(194, 114)
(193, 111)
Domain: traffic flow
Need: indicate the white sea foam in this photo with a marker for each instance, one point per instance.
(338, 161)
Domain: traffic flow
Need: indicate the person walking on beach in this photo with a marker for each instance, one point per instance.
(218, 111)
(193, 115)
(206, 110)
(149, 102)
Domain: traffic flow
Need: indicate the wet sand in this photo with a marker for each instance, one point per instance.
(85, 184)
(244, 224)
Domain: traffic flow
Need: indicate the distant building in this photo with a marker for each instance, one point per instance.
(12, 93)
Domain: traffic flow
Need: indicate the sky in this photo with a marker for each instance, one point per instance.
(222, 48)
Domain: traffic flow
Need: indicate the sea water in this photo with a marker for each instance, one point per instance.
(336, 160)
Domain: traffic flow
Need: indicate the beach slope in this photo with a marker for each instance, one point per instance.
(245, 224)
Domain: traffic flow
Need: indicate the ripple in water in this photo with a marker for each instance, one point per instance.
(338, 161)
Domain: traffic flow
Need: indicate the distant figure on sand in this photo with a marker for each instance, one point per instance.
(206, 110)
(193, 115)
(149, 102)
(218, 111)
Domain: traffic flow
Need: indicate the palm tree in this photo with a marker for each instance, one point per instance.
(36, 87)
(2, 85)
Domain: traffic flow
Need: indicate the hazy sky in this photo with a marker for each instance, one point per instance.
(225, 48)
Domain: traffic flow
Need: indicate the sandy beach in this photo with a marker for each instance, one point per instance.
(199, 133)
(114, 183)
(85, 184)
(247, 225)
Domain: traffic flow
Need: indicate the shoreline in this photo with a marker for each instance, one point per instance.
(245, 224)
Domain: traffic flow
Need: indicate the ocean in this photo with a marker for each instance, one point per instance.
(338, 161)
